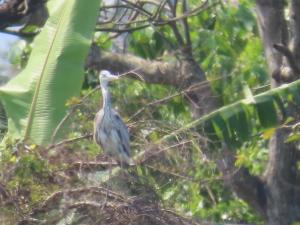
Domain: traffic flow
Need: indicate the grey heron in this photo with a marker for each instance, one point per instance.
(110, 132)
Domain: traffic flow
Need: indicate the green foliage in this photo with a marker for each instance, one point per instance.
(253, 155)
(19, 54)
(26, 174)
(131, 96)
(182, 179)
(237, 122)
(189, 183)
(35, 100)
(152, 42)
(103, 40)
(229, 49)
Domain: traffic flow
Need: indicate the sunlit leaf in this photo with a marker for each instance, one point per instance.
(292, 138)
(267, 134)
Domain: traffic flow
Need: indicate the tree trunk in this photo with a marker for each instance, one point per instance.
(283, 205)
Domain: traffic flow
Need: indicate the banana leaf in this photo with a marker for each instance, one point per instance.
(35, 100)
(237, 122)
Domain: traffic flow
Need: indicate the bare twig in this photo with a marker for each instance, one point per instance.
(92, 166)
(71, 111)
(159, 10)
(171, 173)
(192, 88)
(155, 20)
(133, 71)
(172, 24)
(183, 217)
(69, 141)
(137, 7)
(122, 30)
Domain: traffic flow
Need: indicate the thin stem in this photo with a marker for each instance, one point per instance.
(185, 24)
(71, 111)
(173, 23)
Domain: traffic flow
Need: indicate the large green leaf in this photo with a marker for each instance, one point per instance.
(35, 99)
(237, 122)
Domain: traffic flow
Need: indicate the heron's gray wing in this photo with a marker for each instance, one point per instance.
(97, 124)
(122, 132)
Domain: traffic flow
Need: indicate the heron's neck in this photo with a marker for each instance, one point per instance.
(106, 97)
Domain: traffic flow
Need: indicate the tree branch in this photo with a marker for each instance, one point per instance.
(155, 72)
(14, 12)
(185, 24)
(122, 30)
(10, 12)
(173, 25)
(289, 72)
(281, 198)
(273, 29)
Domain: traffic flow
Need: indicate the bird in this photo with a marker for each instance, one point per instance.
(110, 132)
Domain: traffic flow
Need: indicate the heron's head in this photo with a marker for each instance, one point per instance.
(105, 76)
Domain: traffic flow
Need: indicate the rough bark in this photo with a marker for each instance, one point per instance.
(295, 15)
(11, 12)
(273, 30)
(21, 12)
(281, 173)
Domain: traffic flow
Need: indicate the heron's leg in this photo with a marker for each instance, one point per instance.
(109, 174)
(106, 180)
(108, 186)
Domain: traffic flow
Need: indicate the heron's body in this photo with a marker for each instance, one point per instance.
(110, 132)
(107, 134)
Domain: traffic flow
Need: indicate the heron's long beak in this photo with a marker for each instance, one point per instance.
(113, 77)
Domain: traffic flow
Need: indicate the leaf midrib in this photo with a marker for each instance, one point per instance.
(38, 85)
